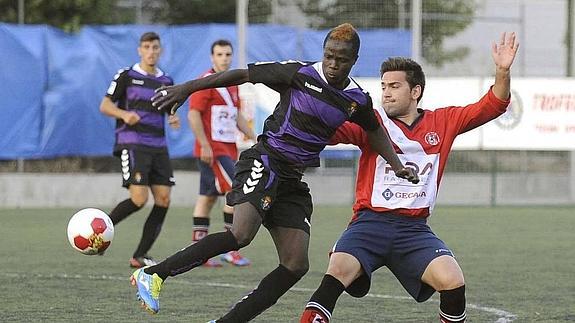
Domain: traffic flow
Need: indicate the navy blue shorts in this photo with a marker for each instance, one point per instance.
(216, 179)
(403, 244)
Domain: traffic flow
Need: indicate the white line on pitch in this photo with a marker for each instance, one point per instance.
(502, 315)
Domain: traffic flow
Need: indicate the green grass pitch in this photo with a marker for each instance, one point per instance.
(519, 265)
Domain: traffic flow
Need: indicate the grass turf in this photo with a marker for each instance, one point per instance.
(518, 263)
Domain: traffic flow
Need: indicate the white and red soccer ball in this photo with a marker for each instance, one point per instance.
(90, 231)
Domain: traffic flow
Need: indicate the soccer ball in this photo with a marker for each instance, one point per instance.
(90, 231)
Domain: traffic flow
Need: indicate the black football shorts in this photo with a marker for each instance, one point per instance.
(281, 202)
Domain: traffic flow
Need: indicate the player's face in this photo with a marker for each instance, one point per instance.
(397, 98)
(149, 52)
(222, 58)
(338, 59)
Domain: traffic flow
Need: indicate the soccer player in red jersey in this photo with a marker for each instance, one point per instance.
(389, 226)
(214, 116)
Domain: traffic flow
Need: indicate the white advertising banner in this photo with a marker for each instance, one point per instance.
(541, 115)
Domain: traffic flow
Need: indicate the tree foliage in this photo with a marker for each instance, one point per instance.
(441, 19)
(209, 11)
(69, 15)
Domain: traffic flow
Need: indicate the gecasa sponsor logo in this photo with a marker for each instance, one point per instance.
(388, 194)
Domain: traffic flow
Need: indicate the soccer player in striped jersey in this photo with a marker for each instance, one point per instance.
(141, 142)
(389, 226)
(315, 99)
(214, 117)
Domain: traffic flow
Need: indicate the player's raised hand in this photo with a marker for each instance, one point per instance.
(169, 98)
(409, 174)
(504, 52)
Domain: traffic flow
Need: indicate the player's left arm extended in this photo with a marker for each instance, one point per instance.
(494, 103)
(170, 98)
(380, 142)
(503, 54)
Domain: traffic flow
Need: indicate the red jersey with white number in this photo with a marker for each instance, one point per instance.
(425, 146)
(219, 109)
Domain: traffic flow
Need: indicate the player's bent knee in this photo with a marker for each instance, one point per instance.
(443, 273)
(343, 273)
(298, 267)
(139, 201)
(449, 282)
(452, 285)
(163, 201)
(243, 239)
(344, 267)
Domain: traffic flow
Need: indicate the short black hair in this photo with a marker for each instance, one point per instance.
(413, 71)
(344, 32)
(221, 42)
(149, 36)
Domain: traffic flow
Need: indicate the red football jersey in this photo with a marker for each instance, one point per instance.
(425, 146)
(219, 108)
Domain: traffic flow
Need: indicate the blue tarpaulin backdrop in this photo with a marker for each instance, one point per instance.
(51, 82)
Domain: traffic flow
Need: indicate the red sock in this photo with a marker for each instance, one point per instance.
(312, 315)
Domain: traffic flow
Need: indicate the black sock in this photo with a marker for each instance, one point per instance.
(195, 254)
(122, 210)
(152, 229)
(452, 305)
(326, 295)
(228, 220)
(270, 289)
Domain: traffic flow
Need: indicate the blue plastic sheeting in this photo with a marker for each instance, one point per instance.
(53, 82)
(23, 76)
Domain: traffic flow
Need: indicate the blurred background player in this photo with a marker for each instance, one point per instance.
(214, 116)
(387, 230)
(141, 142)
(315, 99)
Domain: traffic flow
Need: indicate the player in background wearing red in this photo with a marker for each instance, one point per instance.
(389, 226)
(214, 116)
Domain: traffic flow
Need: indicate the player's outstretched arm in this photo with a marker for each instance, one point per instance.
(170, 98)
(503, 54)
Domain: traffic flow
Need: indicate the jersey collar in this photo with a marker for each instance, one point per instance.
(138, 69)
(319, 69)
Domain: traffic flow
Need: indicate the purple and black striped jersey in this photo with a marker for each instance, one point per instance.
(131, 90)
(309, 111)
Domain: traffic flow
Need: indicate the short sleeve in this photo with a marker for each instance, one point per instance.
(365, 116)
(117, 87)
(199, 100)
(274, 74)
